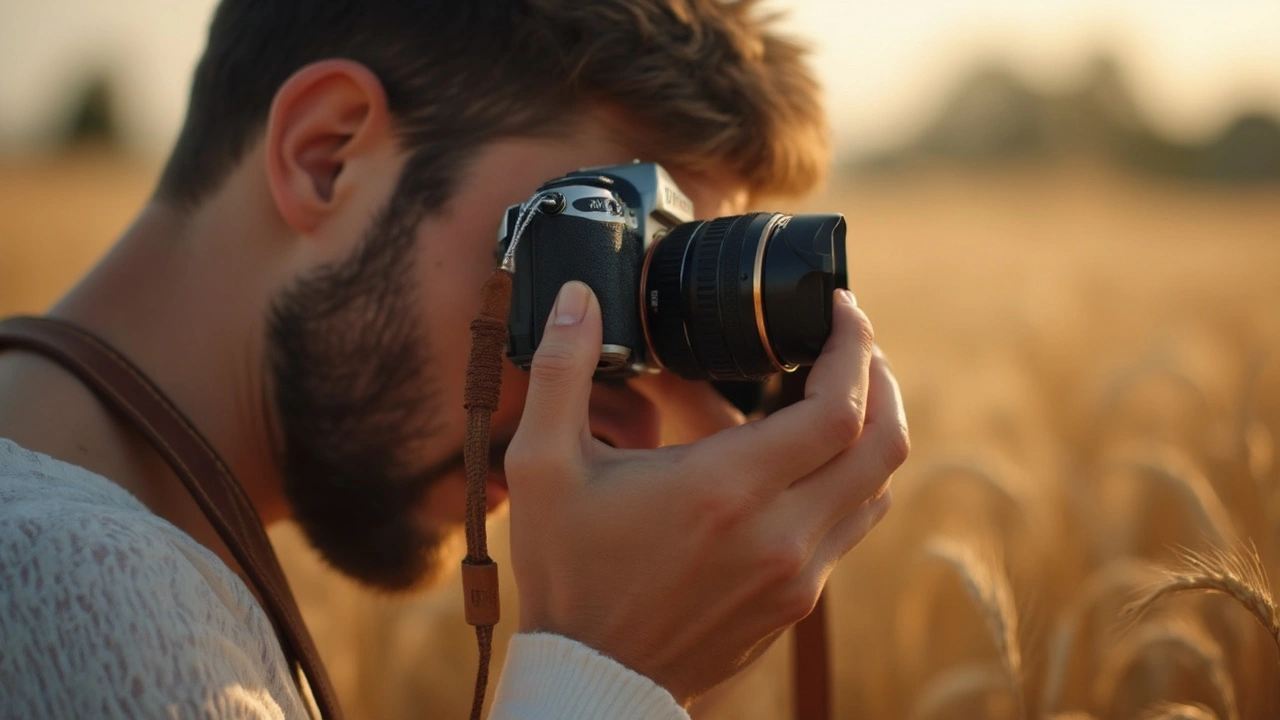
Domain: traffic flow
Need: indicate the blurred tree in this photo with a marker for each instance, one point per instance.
(92, 117)
(1097, 115)
(1248, 150)
(992, 116)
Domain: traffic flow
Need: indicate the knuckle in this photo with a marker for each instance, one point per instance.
(842, 422)
(864, 333)
(553, 360)
(554, 369)
(798, 600)
(782, 561)
(896, 447)
(872, 513)
(883, 504)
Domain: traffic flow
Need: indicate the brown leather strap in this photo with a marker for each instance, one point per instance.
(810, 666)
(483, 389)
(811, 678)
(128, 392)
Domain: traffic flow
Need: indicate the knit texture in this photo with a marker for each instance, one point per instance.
(109, 611)
(549, 677)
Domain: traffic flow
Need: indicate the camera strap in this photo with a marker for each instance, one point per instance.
(810, 666)
(483, 386)
(810, 671)
(133, 397)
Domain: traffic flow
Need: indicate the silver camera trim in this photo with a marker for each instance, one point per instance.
(664, 205)
(606, 205)
(661, 195)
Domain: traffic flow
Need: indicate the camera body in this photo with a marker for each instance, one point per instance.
(607, 221)
(732, 299)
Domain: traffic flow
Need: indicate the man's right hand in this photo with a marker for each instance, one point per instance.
(683, 563)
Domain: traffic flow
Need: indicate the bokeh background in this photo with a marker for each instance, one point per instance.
(1066, 223)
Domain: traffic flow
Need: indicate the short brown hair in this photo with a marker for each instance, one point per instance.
(717, 85)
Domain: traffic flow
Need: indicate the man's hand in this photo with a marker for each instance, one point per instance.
(684, 562)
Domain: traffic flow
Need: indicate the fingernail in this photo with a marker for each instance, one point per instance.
(847, 296)
(571, 304)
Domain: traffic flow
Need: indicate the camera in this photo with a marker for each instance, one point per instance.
(736, 298)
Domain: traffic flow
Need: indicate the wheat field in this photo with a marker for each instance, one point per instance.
(1088, 526)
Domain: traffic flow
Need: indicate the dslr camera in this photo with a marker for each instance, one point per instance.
(737, 298)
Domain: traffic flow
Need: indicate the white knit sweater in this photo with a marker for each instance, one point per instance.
(109, 611)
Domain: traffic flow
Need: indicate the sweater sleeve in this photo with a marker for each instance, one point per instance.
(549, 677)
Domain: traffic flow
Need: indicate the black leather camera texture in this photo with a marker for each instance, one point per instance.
(603, 255)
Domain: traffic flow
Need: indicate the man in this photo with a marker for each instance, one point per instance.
(301, 286)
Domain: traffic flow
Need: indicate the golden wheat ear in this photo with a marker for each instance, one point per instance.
(1178, 711)
(984, 579)
(1238, 574)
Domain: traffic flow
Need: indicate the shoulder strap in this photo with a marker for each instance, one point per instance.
(128, 392)
(811, 697)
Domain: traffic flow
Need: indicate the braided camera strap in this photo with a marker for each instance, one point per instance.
(480, 574)
(484, 383)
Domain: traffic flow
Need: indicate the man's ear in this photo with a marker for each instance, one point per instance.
(322, 116)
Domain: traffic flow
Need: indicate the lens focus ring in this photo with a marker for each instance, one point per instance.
(700, 299)
(705, 317)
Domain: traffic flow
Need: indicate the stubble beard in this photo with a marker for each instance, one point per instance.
(348, 360)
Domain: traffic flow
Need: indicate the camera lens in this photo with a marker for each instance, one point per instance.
(743, 297)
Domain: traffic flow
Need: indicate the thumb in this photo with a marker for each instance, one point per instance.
(556, 408)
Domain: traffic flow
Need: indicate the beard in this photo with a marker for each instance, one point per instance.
(347, 361)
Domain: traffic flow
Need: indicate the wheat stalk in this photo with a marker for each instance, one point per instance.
(1256, 440)
(1123, 384)
(1237, 574)
(988, 472)
(957, 683)
(1175, 470)
(988, 587)
(1117, 576)
(1260, 455)
(1178, 711)
(1183, 637)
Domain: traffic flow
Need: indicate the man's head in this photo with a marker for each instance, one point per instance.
(388, 137)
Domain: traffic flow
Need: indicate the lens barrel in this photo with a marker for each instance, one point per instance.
(743, 297)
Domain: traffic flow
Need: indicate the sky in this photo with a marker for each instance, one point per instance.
(886, 64)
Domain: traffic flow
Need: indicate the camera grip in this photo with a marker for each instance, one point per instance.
(564, 247)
